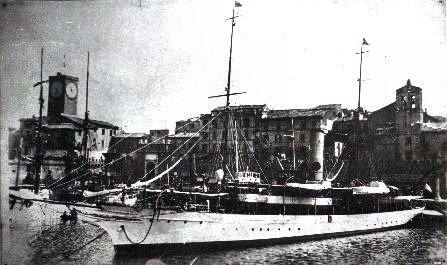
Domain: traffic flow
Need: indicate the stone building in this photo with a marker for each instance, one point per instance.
(190, 125)
(405, 142)
(298, 134)
(136, 156)
(244, 130)
(260, 135)
(62, 134)
(403, 130)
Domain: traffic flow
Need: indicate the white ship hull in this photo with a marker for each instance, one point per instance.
(191, 229)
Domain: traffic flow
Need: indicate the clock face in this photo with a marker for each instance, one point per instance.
(71, 90)
(56, 89)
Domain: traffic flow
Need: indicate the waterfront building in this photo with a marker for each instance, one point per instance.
(189, 125)
(296, 137)
(135, 156)
(406, 143)
(244, 128)
(62, 133)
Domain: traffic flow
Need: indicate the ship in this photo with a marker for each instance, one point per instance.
(236, 208)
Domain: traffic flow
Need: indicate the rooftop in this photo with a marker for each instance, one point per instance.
(97, 123)
(409, 88)
(328, 106)
(131, 135)
(65, 126)
(184, 135)
(434, 127)
(241, 107)
(318, 111)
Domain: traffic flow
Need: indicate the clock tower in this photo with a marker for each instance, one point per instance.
(62, 96)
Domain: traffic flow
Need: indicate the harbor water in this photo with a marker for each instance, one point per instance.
(38, 236)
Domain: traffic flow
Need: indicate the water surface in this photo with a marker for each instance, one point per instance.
(39, 237)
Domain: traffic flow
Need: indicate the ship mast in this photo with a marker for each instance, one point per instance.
(360, 75)
(226, 153)
(85, 125)
(358, 129)
(39, 149)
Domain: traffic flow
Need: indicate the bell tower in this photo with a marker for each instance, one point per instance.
(62, 96)
(408, 106)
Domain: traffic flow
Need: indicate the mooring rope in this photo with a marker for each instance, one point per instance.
(150, 226)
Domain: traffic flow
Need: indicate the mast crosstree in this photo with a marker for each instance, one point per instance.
(226, 155)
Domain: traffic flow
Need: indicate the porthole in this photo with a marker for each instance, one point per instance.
(289, 228)
(279, 229)
(252, 229)
(201, 222)
(260, 229)
(185, 222)
(168, 221)
(299, 229)
(268, 229)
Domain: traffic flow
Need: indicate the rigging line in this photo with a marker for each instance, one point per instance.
(252, 152)
(338, 159)
(170, 168)
(178, 148)
(215, 155)
(76, 169)
(113, 161)
(53, 185)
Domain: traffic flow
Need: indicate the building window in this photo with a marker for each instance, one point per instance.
(303, 125)
(302, 137)
(266, 127)
(246, 122)
(278, 126)
(103, 131)
(214, 136)
(266, 138)
(204, 148)
(278, 138)
(205, 122)
(408, 155)
(408, 141)
(102, 143)
(110, 132)
(247, 135)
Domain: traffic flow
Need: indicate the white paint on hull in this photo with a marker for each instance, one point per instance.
(271, 199)
(196, 227)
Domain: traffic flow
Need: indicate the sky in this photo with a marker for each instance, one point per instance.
(156, 63)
